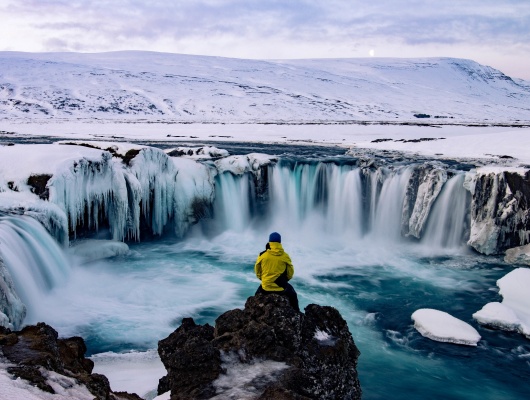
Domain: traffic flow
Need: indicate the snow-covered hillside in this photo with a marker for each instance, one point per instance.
(139, 86)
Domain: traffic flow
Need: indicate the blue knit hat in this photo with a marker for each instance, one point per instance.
(275, 237)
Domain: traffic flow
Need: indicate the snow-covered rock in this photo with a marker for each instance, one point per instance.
(239, 165)
(423, 188)
(500, 209)
(198, 153)
(518, 255)
(513, 314)
(443, 327)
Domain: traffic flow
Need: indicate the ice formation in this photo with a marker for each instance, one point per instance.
(12, 310)
(93, 183)
(513, 314)
(443, 327)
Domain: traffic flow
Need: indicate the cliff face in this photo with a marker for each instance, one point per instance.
(307, 355)
(500, 211)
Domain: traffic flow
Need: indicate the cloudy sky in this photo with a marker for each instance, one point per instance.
(492, 32)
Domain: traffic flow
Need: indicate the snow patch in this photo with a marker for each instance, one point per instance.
(443, 327)
(324, 338)
(513, 314)
(245, 380)
(134, 372)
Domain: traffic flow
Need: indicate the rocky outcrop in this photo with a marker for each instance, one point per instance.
(500, 210)
(307, 355)
(36, 350)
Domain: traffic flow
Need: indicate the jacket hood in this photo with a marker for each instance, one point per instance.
(276, 248)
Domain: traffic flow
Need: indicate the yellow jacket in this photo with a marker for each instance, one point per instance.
(271, 264)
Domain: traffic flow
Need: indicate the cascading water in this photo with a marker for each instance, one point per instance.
(33, 258)
(338, 200)
(448, 218)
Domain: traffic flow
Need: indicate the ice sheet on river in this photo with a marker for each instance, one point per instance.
(443, 327)
(513, 314)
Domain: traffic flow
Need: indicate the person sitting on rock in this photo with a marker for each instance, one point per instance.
(274, 269)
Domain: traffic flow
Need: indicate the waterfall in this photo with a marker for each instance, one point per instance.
(33, 258)
(387, 215)
(311, 199)
(234, 198)
(447, 221)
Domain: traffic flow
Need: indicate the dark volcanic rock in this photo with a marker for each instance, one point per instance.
(317, 348)
(37, 346)
(191, 360)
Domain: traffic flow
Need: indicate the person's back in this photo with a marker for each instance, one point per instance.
(274, 269)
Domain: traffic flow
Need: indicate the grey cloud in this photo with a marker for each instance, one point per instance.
(411, 22)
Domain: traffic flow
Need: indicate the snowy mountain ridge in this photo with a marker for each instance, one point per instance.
(162, 87)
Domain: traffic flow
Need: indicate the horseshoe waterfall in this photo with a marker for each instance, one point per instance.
(117, 243)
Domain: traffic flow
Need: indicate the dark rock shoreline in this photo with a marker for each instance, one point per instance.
(38, 347)
(313, 356)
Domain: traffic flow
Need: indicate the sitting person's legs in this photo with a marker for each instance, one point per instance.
(288, 292)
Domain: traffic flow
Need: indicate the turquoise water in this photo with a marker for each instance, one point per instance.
(131, 302)
(342, 229)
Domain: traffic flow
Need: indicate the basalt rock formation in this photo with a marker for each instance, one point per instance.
(312, 354)
(35, 350)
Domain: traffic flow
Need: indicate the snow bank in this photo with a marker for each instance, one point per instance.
(133, 372)
(513, 314)
(442, 327)
(92, 249)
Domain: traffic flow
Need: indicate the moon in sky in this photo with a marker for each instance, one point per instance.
(371, 52)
